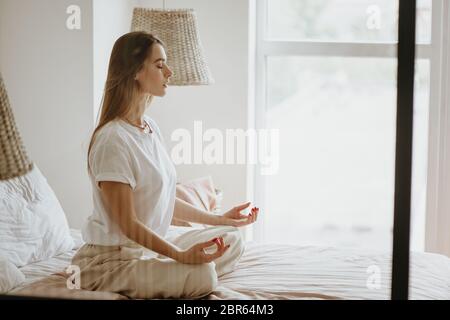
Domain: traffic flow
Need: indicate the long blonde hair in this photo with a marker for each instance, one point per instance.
(121, 89)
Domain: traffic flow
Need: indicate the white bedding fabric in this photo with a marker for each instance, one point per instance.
(276, 271)
(38, 270)
(33, 226)
(10, 276)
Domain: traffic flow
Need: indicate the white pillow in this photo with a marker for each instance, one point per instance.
(10, 276)
(33, 226)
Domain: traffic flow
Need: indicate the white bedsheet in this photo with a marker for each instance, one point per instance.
(277, 271)
(39, 270)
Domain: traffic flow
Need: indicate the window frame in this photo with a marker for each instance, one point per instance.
(438, 101)
(437, 238)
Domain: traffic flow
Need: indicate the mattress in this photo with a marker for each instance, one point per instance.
(279, 271)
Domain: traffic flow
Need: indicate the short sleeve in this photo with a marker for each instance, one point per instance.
(112, 162)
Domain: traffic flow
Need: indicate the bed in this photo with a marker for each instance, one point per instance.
(37, 245)
(275, 271)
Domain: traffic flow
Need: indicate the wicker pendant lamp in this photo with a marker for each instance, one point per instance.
(13, 159)
(177, 28)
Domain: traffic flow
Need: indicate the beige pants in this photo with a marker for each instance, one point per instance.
(126, 270)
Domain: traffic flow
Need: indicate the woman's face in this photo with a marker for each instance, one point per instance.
(154, 76)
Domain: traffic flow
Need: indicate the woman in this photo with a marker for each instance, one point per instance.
(127, 248)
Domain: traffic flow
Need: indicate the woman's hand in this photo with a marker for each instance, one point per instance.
(235, 218)
(197, 255)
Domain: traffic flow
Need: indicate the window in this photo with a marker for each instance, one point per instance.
(326, 78)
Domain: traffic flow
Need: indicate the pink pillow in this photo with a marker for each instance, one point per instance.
(200, 193)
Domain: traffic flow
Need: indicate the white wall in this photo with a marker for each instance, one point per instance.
(223, 28)
(112, 18)
(47, 69)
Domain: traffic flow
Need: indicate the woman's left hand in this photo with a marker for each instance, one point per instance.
(235, 218)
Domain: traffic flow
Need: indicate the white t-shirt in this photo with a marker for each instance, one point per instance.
(123, 153)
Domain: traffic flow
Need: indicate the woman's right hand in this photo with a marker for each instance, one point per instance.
(197, 255)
